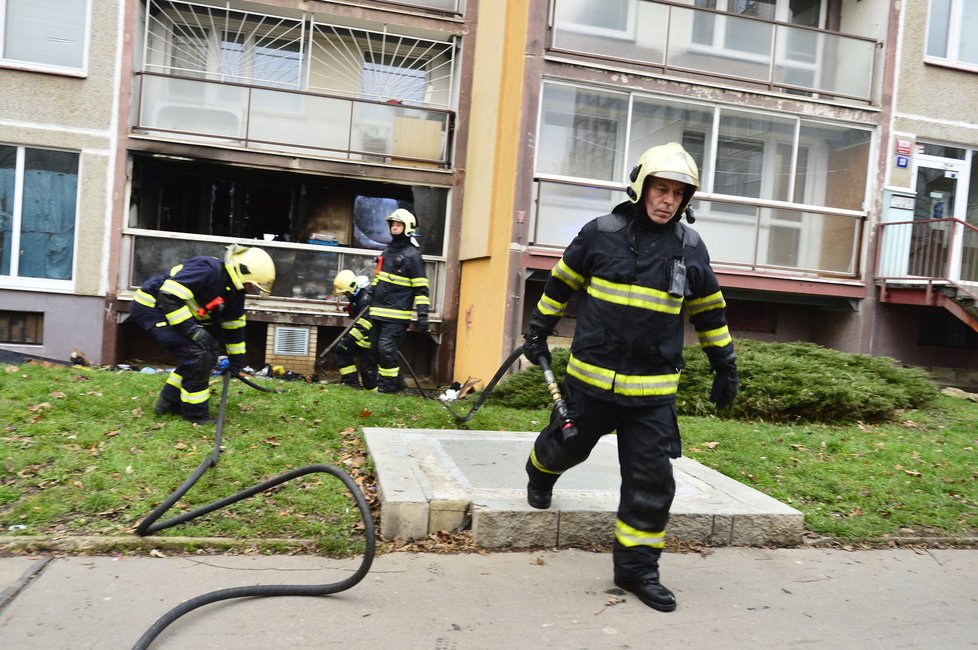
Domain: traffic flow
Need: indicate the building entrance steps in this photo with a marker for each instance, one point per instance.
(434, 479)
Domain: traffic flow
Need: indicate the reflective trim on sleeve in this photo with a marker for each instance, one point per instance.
(550, 307)
(173, 287)
(145, 299)
(706, 303)
(719, 337)
(419, 282)
(567, 275)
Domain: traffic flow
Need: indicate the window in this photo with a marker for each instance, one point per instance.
(21, 327)
(44, 33)
(948, 24)
(615, 18)
(38, 210)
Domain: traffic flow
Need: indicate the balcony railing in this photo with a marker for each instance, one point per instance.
(292, 121)
(303, 272)
(929, 249)
(684, 40)
(762, 236)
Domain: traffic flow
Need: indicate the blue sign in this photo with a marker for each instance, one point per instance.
(903, 162)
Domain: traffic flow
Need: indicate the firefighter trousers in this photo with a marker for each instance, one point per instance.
(648, 437)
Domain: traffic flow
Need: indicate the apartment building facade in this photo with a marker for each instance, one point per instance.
(180, 126)
(788, 108)
(59, 109)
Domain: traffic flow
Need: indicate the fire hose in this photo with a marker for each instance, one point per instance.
(149, 525)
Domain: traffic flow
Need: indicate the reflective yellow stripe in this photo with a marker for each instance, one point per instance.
(706, 303)
(177, 316)
(175, 379)
(177, 289)
(348, 370)
(197, 397)
(235, 324)
(364, 323)
(235, 348)
(633, 295)
(419, 282)
(567, 275)
(643, 385)
(399, 280)
(537, 464)
(144, 298)
(628, 536)
(399, 314)
(550, 307)
(590, 374)
(719, 337)
(387, 372)
(422, 300)
(629, 385)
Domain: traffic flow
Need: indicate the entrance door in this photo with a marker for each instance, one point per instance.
(938, 184)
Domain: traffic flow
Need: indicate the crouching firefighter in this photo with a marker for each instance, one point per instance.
(355, 342)
(636, 269)
(194, 309)
(399, 287)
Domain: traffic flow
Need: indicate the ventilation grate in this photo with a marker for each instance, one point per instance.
(292, 341)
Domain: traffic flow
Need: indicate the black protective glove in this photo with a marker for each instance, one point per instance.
(204, 340)
(535, 346)
(725, 385)
(423, 325)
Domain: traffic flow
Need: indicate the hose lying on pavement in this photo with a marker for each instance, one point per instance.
(149, 526)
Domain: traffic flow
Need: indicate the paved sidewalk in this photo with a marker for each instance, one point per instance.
(732, 598)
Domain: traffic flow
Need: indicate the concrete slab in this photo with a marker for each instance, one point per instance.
(434, 479)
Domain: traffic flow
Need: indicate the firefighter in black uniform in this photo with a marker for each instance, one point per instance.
(399, 287)
(192, 307)
(356, 342)
(636, 268)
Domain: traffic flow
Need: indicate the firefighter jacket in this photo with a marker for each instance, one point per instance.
(628, 343)
(359, 300)
(198, 292)
(400, 284)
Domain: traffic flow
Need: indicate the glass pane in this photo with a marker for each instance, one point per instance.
(188, 50)
(730, 231)
(627, 29)
(938, 22)
(657, 121)
(582, 133)
(564, 209)
(50, 32)
(838, 164)
(8, 174)
(47, 229)
(936, 194)
(739, 47)
(745, 141)
(749, 36)
(968, 44)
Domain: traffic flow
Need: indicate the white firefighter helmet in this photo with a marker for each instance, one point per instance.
(409, 220)
(247, 265)
(665, 161)
(346, 281)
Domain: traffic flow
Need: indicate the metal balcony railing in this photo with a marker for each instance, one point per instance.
(291, 121)
(303, 272)
(929, 250)
(685, 40)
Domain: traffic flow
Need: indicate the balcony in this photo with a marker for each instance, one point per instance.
(930, 262)
(304, 272)
(223, 77)
(686, 41)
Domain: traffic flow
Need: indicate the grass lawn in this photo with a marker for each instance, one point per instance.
(84, 454)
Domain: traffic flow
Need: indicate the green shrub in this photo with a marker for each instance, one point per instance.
(779, 382)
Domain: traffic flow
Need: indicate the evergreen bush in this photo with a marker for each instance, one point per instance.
(779, 382)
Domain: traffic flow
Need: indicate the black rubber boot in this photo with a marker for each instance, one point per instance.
(540, 488)
(165, 405)
(650, 591)
(201, 419)
(538, 498)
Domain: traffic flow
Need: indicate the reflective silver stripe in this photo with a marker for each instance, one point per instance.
(399, 314)
(567, 275)
(706, 303)
(177, 289)
(633, 295)
(399, 280)
(145, 299)
(718, 337)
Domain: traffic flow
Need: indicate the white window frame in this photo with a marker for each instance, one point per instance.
(70, 71)
(954, 38)
(14, 280)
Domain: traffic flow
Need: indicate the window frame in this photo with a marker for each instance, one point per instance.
(953, 36)
(35, 66)
(13, 279)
